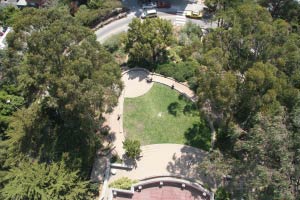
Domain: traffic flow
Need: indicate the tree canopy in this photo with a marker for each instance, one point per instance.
(147, 41)
(64, 81)
(248, 86)
(31, 180)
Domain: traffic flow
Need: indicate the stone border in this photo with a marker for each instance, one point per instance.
(105, 182)
(115, 15)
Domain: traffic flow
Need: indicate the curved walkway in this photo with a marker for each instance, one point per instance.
(135, 84)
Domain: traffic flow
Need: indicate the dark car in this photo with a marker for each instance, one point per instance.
(163, 4)
(32, 5)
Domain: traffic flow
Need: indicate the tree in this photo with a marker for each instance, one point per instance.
(67, 80)
(31, 180)
(250, 72)
(267, 158)
(9, 103)
(132, 148)
(147, 41)
(222, 194)
(7, 14)
(285, 9)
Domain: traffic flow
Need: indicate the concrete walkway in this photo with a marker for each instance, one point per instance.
(166, 160)
(135, 84)
(180, 87)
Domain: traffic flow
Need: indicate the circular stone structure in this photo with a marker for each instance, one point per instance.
(136, 83)
(163, 190)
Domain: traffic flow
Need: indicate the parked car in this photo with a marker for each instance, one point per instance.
(194, 15)
(149, 14)
(150, 5)
(32, 5)
(163, 4)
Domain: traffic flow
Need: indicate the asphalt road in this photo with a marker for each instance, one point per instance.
(169, 14)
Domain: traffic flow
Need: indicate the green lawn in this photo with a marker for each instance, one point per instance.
(164, 116)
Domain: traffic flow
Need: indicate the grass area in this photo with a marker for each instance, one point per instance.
(163, 116)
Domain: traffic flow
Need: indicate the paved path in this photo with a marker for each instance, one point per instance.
(135, 85)
(180, 87)
(166, 160)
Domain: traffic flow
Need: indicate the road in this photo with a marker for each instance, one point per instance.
(177, 18)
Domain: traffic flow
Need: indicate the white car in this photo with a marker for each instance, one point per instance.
(148, 13)
(149, 5)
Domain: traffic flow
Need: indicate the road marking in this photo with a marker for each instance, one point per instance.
(180, 18)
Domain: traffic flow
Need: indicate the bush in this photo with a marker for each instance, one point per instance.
(222, 194)
(92, 17)
(94, 189)
(116, 159)
(114, 42)
(123, 183)
(179, 71)
(189, 33)
(132, 148)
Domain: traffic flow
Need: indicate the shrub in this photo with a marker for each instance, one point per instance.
(114, 42)
(222, 194)
(179, 71)
(132, 148)
(116, 159)
(123, 183)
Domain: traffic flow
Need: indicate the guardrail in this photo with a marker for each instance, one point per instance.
(160, 182)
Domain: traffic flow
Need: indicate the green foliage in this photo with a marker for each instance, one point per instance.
(181, 72)
(115, 159)
(221, 194)
(147, 41)
(67, 80)
(132, 148)
(31, 180)
(96, 11)
(248, 87)
(191, 32)
(115, 42)
(123, 183)
(288, 10)
(9, 103)
(86, 16)
(103, 4)
(7, 14)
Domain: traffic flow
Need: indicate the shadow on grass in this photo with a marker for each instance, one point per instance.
(174, 108)
(187, 108)
(198, 136)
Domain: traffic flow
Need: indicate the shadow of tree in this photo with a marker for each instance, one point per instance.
(139, 74)
(174, 108)
(190, 109)
(129, 161)
(198, 136)
(186, 165)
